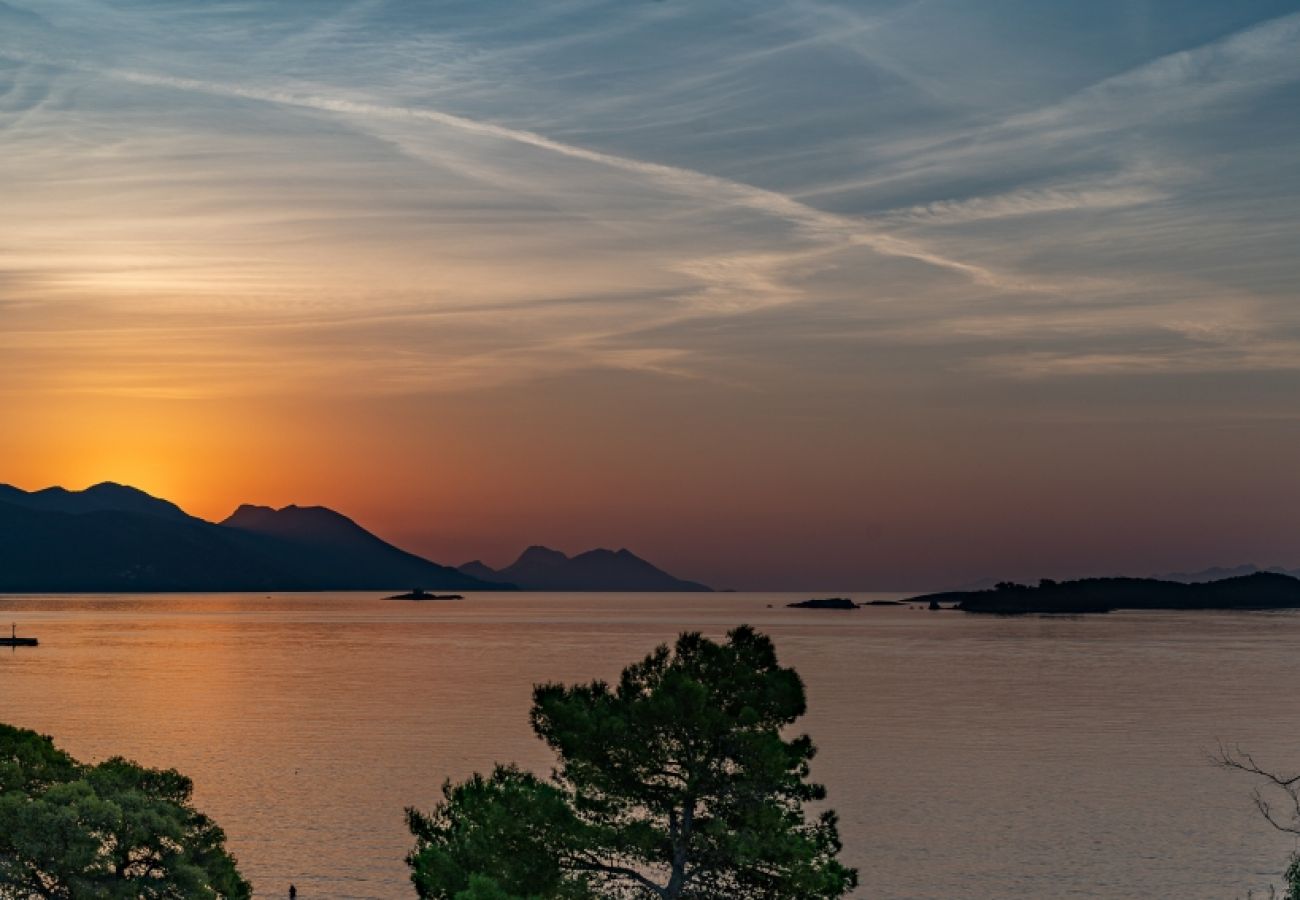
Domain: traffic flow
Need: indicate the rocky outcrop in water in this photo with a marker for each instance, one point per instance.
(824, 603)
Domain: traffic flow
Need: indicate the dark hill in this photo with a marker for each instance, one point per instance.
(477, 569)
(1262, 590)
(105, 497)
(340, 553)
(543, 569)
(44, 552)
(312, 524)
(113, 538)
(1219, 573)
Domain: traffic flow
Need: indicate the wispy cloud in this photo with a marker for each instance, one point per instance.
(1166, 89)
(1025, 203)
(469, 170)
(814, 223)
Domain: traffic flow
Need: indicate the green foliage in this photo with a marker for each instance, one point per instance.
(114, 830)
(495, 838)
(1291, 879)
(676, 783)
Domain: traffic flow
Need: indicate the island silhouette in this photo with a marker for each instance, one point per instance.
(1260, 590)
(115, 538)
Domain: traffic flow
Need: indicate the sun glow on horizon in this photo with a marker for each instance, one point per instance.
(768, 293)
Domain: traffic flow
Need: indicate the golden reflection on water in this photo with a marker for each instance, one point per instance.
(968, 757)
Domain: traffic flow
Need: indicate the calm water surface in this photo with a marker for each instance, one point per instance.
(968, 757)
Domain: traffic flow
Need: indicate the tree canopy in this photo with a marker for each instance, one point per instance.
(112, 830)
(674, 783)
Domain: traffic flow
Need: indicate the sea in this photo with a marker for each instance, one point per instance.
(967, 756)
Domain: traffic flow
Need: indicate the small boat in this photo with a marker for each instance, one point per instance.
(15, 641)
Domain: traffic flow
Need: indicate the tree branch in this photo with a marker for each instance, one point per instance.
(1239, 760)
(587, 865)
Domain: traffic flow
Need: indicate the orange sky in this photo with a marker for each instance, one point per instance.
(829, 297)
(774, 493)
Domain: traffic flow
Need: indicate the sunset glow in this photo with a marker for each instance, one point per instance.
(799, 294)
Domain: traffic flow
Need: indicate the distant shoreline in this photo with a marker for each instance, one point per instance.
(1087, 596)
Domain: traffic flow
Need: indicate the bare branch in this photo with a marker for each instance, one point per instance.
(1239, 760)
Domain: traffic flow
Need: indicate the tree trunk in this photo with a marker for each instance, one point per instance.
(681, 837)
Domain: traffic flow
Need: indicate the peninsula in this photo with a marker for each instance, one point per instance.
(1262, 590)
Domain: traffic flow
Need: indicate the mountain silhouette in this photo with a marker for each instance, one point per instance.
(340, 552)
(105, 497)
(543, 569)
(477, 569)
(116, 538)
(1219, 573)
(112, 550)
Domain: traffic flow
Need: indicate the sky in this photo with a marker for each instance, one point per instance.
(788, 294)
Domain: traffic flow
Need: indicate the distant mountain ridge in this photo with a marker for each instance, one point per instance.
(542, 569)
(112, 550)
(338, 551)
(114, 538)
(1218, 573)
(477, 569)
(107, 496)
(111, 538)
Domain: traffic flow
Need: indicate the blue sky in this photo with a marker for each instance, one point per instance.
(913, 218)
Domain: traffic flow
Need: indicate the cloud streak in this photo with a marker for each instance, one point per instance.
(1025, 203)
(991, 206)
(813, 223)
